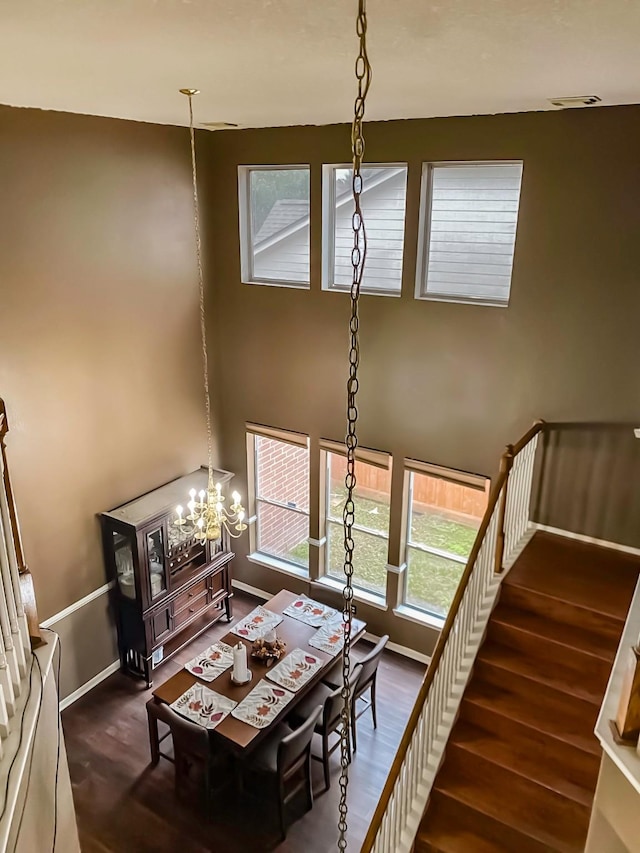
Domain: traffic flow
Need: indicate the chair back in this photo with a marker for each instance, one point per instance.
(293, 746)
(188, 738)
(333, 704)
(369, 664)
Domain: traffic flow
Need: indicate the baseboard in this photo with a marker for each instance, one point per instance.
(251, 590)
(76, 605)
(589, 540)
(89, 685)
(405, 651)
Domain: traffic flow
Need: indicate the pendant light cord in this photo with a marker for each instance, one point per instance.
(203, 319)
(358, 256)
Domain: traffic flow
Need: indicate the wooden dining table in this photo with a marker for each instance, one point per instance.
(238, 736)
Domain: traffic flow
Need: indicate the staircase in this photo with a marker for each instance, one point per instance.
(521, 762)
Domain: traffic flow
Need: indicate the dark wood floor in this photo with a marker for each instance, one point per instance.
(124, 806)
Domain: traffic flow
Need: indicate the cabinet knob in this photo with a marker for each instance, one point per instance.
(192, 610)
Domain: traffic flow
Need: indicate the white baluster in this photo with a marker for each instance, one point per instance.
(8, 617)
(21, 626)
(6, 683)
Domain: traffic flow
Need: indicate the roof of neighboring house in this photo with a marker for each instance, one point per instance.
(290, 215)
(284, 213)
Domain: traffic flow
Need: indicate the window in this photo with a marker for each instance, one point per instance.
(281, 495)
(383, 202)
(371, 530)
(468, 231)
(445, 511)
(274, 224)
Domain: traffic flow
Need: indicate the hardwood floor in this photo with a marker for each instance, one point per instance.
(522, 761)
(125, 806)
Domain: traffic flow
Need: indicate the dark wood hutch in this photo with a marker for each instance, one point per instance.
(167, 586)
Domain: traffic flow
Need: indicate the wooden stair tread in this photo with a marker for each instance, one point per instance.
(515, 801)
(454, 827)
(549, 711)
(577, 572)
(584, 684)
(584, 640)
(576, 766)
(525, 758)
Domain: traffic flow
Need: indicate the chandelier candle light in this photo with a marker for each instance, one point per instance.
(207, 515)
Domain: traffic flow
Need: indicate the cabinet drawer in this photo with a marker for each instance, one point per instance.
(196, 605)
(186, 598)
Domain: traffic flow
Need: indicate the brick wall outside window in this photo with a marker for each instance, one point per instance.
(282, 475)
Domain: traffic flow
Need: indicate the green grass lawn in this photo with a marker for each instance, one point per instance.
(431, 580)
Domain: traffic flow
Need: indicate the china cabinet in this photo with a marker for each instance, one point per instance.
(168, 586)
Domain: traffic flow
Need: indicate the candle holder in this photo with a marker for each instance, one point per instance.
(245, 681)
(268, 651)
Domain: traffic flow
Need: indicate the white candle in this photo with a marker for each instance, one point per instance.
(270, 636)
(240, 662)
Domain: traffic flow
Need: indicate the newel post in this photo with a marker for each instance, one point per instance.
(26, 591)
(506, 464)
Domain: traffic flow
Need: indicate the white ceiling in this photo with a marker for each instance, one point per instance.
(282, 62)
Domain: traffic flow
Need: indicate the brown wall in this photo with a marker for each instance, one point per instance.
(446, 383)
(99, 352)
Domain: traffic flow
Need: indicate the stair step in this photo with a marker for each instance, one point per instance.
(545, 606)
(549, 711)
(529, 757)
(546, 758)
(557, 636)
(451, 826)
(578, 573)
(583, 682)
(519, 803)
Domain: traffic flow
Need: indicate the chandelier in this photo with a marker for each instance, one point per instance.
(207, 516)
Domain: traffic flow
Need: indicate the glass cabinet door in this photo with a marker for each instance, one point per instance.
(157, 562)
(123, 559)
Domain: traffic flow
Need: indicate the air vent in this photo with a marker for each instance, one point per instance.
(576, 101)
(218, 125)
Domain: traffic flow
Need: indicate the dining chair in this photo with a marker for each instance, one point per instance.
(366, 681)
(285, 756)
(191, 749)
(330, 721)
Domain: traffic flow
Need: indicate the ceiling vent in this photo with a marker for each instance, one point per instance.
(218, 125)
(576, 101)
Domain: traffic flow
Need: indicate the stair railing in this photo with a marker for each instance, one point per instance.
(501, 536)
(15, 617)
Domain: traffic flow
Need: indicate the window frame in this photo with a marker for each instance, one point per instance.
(461, 478)
(366, 457)
(329, 230)
(245, 229)
(424, 232)
(255, 553)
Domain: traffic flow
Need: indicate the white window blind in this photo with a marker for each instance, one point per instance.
(383, 201)
(470, 213)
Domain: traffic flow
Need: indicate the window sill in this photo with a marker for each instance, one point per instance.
(360, 595)
(412, 614)
(292, 285)
(332, 288)
(278, 565)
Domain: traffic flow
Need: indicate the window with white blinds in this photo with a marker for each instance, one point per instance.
(468, 225)
(383, 202)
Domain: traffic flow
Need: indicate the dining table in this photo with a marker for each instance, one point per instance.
(238, 736)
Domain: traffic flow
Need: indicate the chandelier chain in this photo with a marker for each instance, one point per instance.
(358, 256)
(203, 322)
